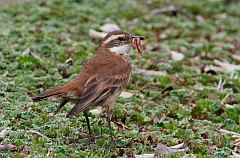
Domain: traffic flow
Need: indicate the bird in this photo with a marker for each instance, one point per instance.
(101, 80)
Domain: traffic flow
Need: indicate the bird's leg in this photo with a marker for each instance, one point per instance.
(90, 139)
(63, 101)
(109, 117)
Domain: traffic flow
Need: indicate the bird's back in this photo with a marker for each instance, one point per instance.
(106, 64)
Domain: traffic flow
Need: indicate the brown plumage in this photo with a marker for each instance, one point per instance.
(101, 80)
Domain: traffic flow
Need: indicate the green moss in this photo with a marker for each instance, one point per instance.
(185, 105)
(28, 62)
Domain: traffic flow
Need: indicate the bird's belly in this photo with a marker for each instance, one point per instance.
(71, 96)
(109, 103)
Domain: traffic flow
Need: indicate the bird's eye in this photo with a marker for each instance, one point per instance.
(120, 38)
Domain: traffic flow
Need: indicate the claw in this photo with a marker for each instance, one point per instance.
(112, 144)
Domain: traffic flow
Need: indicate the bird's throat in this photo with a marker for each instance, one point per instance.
(121, 49)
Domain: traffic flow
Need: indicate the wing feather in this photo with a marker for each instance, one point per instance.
(97, 89)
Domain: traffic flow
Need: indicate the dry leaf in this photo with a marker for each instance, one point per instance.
(189, 156)
(29, 52)
(228, 132)
(95, 34)
(69, 62)
(125, 94)
(176, 56)
(5, 132)
(212, 69)
(162, 117)
(163, 150)
(144, 156)
(97, 112)
(171, 9)
(200, 18)
(229, 106)
(227, 67)
(235, 155)
(37, 133)
(163, 36)
(105, 28)
(236, 140)
(120, 126)
(236, 57)
(109, 27)
(150, 73)
(7, 147)
(178, 146)
(209, 70)
(150, 47)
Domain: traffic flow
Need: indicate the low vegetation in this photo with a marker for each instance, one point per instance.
(194, 100)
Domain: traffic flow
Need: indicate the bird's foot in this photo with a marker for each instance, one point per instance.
(55, 112)
(112, 144)
(90, 140)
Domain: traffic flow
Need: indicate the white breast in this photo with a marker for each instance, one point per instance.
(121, 49)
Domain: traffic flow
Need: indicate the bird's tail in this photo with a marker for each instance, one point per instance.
(45, 95)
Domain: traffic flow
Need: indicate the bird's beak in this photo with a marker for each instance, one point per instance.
(137, 43)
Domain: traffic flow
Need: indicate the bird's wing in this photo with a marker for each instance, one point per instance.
(98, 88)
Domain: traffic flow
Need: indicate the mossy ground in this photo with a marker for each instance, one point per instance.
(194, 105)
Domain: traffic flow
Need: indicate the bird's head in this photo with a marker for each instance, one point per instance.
(120, 42)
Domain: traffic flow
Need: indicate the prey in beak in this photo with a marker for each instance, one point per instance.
(137, 43)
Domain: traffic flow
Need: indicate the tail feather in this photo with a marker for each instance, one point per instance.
(45, 95)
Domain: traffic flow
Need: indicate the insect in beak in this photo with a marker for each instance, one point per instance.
(137, 43)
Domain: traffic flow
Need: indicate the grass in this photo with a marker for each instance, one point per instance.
(187, 96)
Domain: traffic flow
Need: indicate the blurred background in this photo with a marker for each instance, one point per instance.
(185, 87)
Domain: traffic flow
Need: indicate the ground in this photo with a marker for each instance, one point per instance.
(193, 100)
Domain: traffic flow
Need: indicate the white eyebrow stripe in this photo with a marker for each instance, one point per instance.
(113, 37)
